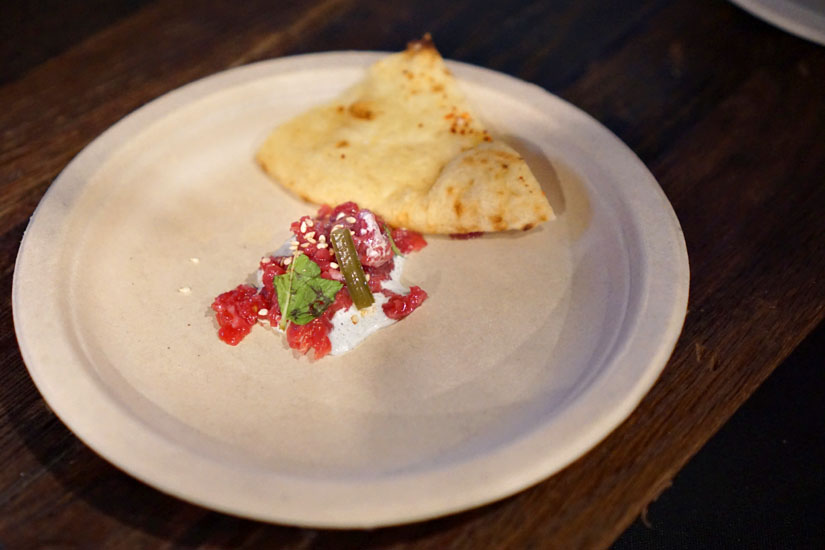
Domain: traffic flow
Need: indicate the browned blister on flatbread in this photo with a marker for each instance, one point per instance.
(405, 143)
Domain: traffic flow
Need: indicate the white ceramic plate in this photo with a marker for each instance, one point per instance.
(531, 348)
(804, 18)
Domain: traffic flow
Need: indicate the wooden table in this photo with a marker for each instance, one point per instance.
(728, 113)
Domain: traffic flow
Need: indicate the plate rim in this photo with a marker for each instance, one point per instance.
(788, 16)
(279, 503)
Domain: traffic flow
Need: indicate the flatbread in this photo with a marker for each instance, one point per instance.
(405, 143)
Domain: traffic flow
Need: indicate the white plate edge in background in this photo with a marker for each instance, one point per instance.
(788, 16)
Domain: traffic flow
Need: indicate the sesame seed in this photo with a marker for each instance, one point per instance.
(263, 312)
(350, 219)
(288, 261)
(185, 290)
(303, 227)
(311, 240)
(310, 223)
(265, 260)
(304, 245)
(354, 319)
(322, 245)
(333, 265)
(367, 276)
(195, 260)
(322, 238)
(310, 235)
(340, 215)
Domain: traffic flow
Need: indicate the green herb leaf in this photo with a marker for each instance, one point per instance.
(392, 242)
(302, 266)
(303, 294)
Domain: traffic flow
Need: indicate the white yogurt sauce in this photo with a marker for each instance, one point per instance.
(346, 335)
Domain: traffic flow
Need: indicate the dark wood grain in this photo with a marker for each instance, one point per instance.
(36, 31)
(727, 112)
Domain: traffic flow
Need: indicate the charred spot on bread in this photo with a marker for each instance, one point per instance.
(361, 109)
(498, 222)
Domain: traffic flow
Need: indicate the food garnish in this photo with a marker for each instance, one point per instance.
(351, 268)
(388, 233)
(302, 293)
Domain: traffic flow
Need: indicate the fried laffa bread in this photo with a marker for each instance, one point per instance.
(405, 143)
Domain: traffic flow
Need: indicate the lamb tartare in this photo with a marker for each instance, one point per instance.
(336, 278)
